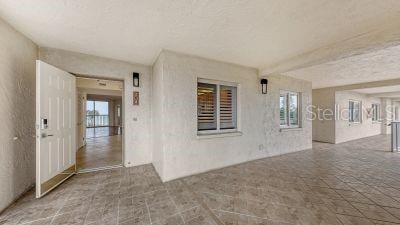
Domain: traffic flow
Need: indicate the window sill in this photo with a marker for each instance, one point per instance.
(219, 135)
(354, 123)
(376, 122)
(290, 129)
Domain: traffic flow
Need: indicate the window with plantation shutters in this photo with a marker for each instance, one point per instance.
(228, 107)
(376, 112)
(216, 107)
(207, 106)
(354, 111)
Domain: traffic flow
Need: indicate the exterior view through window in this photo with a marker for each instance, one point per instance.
(354, 111)
(216, 107)
(97, 114)
(289, 109)
(376, 111)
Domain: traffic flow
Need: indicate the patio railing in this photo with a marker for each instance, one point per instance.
(395, 136)
(97, 121)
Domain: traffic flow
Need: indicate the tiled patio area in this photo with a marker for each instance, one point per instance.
(351, 183)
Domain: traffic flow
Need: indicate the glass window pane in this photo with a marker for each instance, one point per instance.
(356, 112)
(283, 109)
(351, 111)
(101, 108)
(89, 107)
(89, 121)
(375, 112)
(293, 109)
(206, 106)
(89, 113)
(227, 107)
(101, 114)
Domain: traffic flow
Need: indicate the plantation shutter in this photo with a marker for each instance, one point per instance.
(206, 106)
(227, 107)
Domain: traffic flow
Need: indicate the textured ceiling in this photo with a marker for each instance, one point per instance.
(378, 65)
(254, 33)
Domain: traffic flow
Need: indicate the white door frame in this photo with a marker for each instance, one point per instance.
(122, 119)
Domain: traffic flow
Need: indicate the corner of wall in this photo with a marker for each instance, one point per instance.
(157, 96)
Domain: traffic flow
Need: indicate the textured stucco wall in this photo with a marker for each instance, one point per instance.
(346, 131)
(323, 101)
(17, 111)
(137, 139)
(184, 153)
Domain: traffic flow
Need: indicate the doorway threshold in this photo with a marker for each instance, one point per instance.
(99, 169)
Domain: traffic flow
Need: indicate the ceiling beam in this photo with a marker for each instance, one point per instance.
(394, 94)
(396, 99)
(373, 84)
(386, 36)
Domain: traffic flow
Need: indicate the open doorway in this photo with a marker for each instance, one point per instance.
(99, 130)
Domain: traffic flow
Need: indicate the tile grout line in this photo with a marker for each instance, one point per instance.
(173, 201)
(58, 211)
(361, 193)
(148, 211)
(97, 188)
(32, 221)
(202, 204)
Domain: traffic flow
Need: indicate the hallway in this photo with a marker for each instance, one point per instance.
(350, 183)
(100, 151)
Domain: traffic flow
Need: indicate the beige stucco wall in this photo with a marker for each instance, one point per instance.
(137, 141)
(17, 113)
(323, 130)
(346, 131)
(181, 152)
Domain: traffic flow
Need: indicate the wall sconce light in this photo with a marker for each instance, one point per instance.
(264, 83)
(135, 79)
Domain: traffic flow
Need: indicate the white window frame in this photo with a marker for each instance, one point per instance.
(299, 107)
(218, 84)
(378, 112)
(359, 111)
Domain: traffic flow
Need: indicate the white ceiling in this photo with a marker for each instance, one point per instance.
(378, 65)
(254, 33)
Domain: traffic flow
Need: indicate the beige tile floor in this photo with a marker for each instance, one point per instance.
(354, 183)
(100, 152)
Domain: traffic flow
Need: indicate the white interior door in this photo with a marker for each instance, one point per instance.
(55, 127)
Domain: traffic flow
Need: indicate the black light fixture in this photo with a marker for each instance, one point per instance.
(264, 83)
(135, 79)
